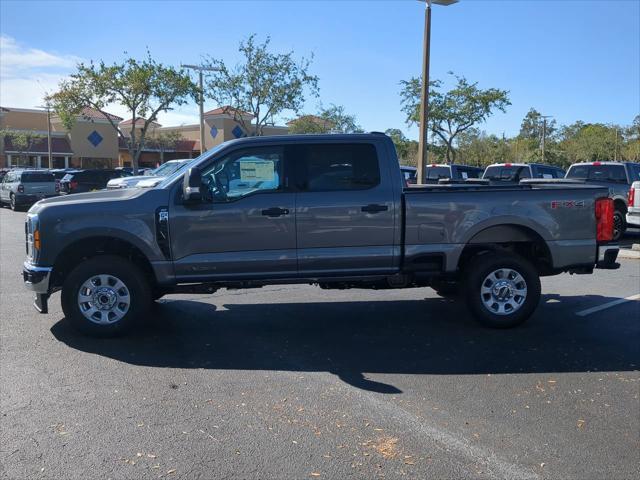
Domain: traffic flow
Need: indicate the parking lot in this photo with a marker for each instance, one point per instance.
(294, 381)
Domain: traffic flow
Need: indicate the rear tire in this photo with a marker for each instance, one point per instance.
(105, 296)
(502, 290)
(619, 225)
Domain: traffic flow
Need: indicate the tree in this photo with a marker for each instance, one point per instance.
(166, 141)
(589, 142)
(265, 85)
(452, 112)
(329, 120)
(145, 87)
(407, 149)
(22, 141)
(532, 126)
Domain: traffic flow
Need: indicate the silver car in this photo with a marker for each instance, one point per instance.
(162, 171)
(22, 188)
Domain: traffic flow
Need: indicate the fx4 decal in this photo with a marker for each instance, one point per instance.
(567, 204)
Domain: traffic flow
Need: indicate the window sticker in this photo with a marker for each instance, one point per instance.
(464, 175)
(257, 171)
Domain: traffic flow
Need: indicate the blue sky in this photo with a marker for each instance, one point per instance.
(569, 59)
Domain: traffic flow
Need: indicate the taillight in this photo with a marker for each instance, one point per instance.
(73, 184)
(632, 197)
(57, 186)
(20, 188)
(604, 219)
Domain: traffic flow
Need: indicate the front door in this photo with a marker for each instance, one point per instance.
(245, 225)
(345, 213)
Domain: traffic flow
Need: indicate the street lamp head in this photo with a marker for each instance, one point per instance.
(444, 3)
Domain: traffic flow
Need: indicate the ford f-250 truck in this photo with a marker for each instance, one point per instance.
(331, 210)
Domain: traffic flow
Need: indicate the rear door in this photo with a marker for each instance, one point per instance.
(345, 216)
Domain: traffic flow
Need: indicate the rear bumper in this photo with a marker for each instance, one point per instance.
(633, 216)
(37, 280)
(30, 199)
(607, 255)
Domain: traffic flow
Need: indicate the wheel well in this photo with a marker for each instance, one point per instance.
(620, 205)
(516, 239)
(90, 247)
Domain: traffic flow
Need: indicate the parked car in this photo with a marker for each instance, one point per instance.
(79, 181)
(409, 174)
(21, 188)
(435, 172)
(617, 177)
(162, 171)
(633, 205)
(512, 173)
(327, 210)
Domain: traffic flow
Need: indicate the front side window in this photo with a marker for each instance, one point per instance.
(335, 167)
(243, 173)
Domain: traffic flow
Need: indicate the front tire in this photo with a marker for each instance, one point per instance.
(502, 290)
(105, 296)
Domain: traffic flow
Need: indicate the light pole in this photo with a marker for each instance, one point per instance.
(200, 69)
(423, 153)
(544, 133)
(48, 107)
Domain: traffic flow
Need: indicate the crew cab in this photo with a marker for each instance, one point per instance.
(617, 177)
(512, 173)
(330, 210)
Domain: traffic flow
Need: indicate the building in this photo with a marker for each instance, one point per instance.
(93, 141)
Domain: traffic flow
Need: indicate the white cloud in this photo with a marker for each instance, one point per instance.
(15, 58)
(28, 74)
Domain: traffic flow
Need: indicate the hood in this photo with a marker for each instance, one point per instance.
(127, 180)
(86, 198)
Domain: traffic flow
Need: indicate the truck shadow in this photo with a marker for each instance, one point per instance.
(427, 337)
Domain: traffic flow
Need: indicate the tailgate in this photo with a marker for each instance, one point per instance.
(40, 188)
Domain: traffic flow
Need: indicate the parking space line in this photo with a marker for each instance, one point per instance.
(604, 306)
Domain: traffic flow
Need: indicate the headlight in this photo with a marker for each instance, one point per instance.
(33, 240)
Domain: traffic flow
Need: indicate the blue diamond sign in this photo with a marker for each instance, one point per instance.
(213, 132)
(238, 132)
(95, 138)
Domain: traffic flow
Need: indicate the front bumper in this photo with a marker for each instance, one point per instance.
(633, 216)
(37, 280)
(607, 255)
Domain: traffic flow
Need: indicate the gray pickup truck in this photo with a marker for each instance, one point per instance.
(617, 177)
(330, 210)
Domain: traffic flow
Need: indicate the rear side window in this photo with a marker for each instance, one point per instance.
(37, 177)
(436, 173)
(634, 170)
(465, 173)
(327, 167)
(612, 173)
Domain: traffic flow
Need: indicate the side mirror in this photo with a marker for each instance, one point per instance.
(191, 183)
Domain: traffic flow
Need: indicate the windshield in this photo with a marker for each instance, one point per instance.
(165, 169)
(168, 180)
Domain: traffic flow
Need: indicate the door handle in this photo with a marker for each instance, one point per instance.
(373, 208)
(275, 212)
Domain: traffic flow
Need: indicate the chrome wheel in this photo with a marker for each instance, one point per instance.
(503, 291)
(104, 299)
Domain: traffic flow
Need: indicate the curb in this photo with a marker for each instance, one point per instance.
(624, 253)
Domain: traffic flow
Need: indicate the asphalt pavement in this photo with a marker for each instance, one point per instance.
(299, 382)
